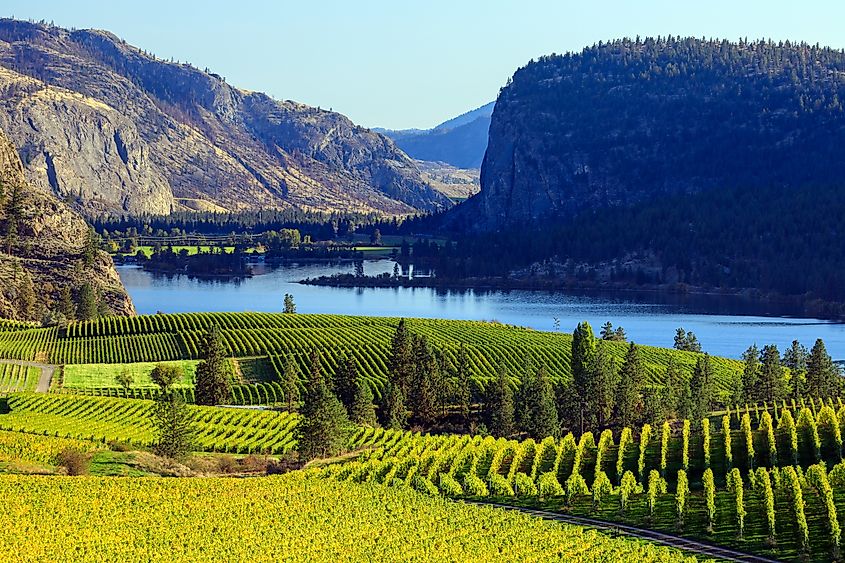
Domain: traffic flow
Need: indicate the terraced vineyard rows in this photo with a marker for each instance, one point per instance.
(102, 419)
(321, 520)
(14, 378)
(155, 338)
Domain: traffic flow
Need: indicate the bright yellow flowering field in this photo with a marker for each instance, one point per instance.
(296, 517)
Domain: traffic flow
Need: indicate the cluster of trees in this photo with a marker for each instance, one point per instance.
(768, 376)
(212, 262)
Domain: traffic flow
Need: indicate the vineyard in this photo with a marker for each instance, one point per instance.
(295, 517)
(276, 336)
(17, 446)
(104, 420)
(774, 486)
(15, 378)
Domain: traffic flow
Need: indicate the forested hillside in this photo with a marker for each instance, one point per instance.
(667, 160)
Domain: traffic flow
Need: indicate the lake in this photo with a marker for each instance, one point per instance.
(725, 325)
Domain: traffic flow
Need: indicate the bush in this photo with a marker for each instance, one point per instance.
(549, 486)
(601, 488)
(605, 441)
(627, 487)
(709, 497)
(474, 486)
(227, 464)
(681, 494)
(500, 487)
(523, 486)
(254, 464)
(656, 486)
(735, 487)
(76, 462)
(449, 486)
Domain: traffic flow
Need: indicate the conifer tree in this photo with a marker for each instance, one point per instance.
(362, 411)
(629, 389)
(674, 387)
(394, 413)
(463, 393)
(347, 381)
(423, 398)
(324, 428)
(539, 417)
(66, 306)
(751, 374)
(583, 363)
(701, 390)
(214, 373)
(26, 296)
(86, 303)
(401, 362)
(795, 359)
(289, 305)
(171, 416)
(604, 385)
(822, 373)
(290, 383)
(499, 410)
(772, 382)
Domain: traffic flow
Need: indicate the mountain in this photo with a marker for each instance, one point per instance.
(459, 142)
(667, 161)
(111, 128)
(628, 122)
(44, 250)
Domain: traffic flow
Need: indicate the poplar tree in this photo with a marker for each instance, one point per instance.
(214, 376)
(629, 389)
(499, 410)
(583, 364)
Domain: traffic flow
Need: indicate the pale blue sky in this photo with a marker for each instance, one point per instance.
(411, 63)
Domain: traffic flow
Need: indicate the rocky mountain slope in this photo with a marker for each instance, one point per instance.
(628, 122)
(44, 250)
(459, 142)
(111, 128)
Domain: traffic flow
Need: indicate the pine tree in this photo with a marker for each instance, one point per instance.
(605, 381)
(795, 359)
(772, 382)
(347, 381)
(538, 416)
(86, 303)
(26, 296)
(290, 383)
(629, 389)
(822, 373)
(171, 416)
(701, 390)
(394, 413)
(324, 428)
(583, 362)
(214, 376)
(463, 393)
(751, 375)
(401, 362)
(423, 398)
(66, 306)
(606, 331)
(362, 411)
(499, 410)
(289, 305)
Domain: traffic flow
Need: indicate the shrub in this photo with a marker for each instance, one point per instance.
(644, 438)
(763, 487)
(726, 438)
(664, 447)
(76, 462)
(549, 486)
(656, 485)
(836, 477)
(474, 486)
(227, 464)
(601, 488)
(576, 485)
(792, 485)
(817, 478)
(500, 487)
(705, 438)
(768, 429)
(709, 497)
(786, 428)
(681, 494)
(735, 487)
(627, 487)
(745, 426)
(523, 486)
(624, 439)
(806, 424)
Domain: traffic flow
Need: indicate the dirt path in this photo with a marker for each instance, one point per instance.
(702, 549)
(47, 372)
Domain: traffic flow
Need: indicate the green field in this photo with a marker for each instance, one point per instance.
(81, 376)
(14, 378)
(275, 336)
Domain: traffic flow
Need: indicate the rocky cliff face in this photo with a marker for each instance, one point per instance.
(45, 251)
(629, 122)
(113, 129)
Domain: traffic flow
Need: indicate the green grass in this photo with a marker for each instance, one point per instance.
(81, 376)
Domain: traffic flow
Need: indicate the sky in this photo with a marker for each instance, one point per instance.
(413, 63)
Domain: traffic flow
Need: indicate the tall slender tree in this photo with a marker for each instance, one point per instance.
(394, 412)
(498, 403)
(823, 378)
(214, 373)
(702, 391)
(423, 398)
(604, 385)
(629, 389)
(772, 383)
(400, 364)
(751, 374)
(347, 380)
(172, 420)
(583, 372)
(795, 359)
(290, 383)
(362, 411)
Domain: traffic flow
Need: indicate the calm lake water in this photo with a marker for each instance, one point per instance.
(725, 325)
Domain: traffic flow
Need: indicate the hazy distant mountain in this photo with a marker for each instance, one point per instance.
(460, 141)
(114, 129)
